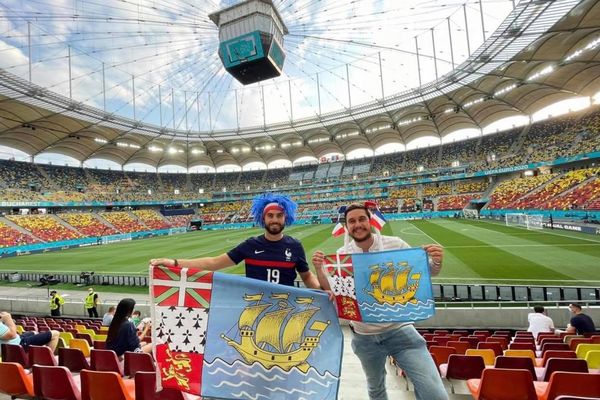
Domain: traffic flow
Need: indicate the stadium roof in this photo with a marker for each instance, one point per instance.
(543, 52)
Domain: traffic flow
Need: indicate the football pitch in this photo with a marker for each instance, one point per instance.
(475, 252)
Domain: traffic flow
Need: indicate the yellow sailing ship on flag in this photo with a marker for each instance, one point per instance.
(274, 333)
(393, 285)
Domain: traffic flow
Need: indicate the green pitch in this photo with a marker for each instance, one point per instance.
(476, 252)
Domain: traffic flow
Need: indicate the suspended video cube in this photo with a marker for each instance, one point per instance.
(251, 40)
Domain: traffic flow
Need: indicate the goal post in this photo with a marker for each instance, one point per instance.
(529, 221)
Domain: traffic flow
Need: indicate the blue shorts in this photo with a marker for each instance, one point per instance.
(36, 339)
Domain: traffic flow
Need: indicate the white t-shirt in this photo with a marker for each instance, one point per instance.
(539, 322)
(379, 244)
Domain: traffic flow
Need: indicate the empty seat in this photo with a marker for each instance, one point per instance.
(73, 359)
(41, 355)
(106, 385)
(564, 364)
(15, 353)
(54, 383)
(14, 381)
(503, 384)
(462, 367)
(569, 383)
(488, 355)
(516, 363)
(105, 360)
(136, 362)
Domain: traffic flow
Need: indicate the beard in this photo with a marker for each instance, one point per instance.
(274, 229)
(366, 236)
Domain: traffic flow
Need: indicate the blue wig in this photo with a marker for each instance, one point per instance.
(259, 203)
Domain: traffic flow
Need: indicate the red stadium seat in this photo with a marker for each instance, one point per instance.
(54, 383)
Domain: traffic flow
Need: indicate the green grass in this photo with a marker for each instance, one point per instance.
(475, 252)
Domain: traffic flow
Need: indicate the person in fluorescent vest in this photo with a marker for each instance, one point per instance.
(56, 302)
(91, 302)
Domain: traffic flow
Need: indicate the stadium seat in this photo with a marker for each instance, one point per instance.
(105, 360)
(135, 362)
(569, 383)
(584, 348)
(441, 353)
(82, 345)
(145, 384)
(14, 381)
(15, 353)
(593, 359)
(520, 353)
(460, 347)
(472, 340)
(41, 355)
(488, 355)
(106, 385)
(564, 364)
(523, 346)
(73, 359)
(495, 347)
(503, 384)
(54, 383)
(541, 362)
(525, 363)
(462, 367)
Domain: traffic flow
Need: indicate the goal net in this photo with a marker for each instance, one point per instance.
(529, 221)
(470, 213)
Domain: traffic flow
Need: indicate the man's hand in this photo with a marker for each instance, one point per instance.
(436, 254)
(4, 316)
(318, 259)
(165, 262)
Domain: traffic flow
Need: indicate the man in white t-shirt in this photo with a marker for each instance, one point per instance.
(539, 321)
(373, 343)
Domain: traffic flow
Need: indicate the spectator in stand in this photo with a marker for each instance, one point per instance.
(9, 335)
(108, 317)
(580, 323)
(122, 334)
(539, 321)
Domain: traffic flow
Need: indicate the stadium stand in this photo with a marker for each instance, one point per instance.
(45, 227)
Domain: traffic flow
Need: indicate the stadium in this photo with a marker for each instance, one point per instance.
(138, 130)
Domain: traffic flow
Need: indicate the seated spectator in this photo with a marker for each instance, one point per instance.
(8, 335)
(122, 334)
(539, 321)
(580, 323)
(108, 317)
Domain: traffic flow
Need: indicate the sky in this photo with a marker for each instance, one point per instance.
(156, 61)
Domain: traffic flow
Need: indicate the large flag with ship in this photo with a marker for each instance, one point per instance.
(231, 337)
(386, 286)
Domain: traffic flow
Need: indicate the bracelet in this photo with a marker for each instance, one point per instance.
(175, 262)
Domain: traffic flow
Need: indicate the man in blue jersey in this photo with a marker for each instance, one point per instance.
(272, 256)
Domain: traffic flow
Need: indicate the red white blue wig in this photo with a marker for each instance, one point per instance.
(269, 202)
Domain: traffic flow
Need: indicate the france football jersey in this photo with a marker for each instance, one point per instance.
(270, 261)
